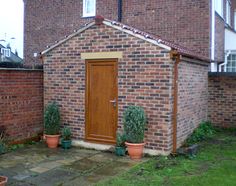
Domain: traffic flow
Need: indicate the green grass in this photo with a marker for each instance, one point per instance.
(215, 165)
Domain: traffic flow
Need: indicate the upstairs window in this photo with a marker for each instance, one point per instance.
(5, 52)
(89, 8)
(228, 10)
(235, 20)
(219, 7)
(231, 63)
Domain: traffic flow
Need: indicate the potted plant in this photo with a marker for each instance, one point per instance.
(66, 138)
(120, 145)
(134, 126)
(52, 125)
(3, 180)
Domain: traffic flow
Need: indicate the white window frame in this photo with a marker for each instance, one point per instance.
(234, 19)
(219, 8)
(231, 63)
(228, 12)
(5, 52)
(93, 12)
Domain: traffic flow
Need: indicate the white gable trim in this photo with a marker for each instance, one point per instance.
(108, 23)
(67, 38)
(155, 42)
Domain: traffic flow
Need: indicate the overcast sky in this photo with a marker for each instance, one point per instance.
(11, 23)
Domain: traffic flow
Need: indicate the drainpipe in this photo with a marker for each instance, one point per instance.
(41, 58)
(225, 63)
(119, 10)
(176, 57)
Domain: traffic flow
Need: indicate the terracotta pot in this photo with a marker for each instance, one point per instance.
(52, 140)
(135, 150)
(3, 180)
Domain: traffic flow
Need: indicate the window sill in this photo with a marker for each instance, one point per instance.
(87, 17)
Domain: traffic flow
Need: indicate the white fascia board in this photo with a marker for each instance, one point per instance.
(67, 38)
(137, 35)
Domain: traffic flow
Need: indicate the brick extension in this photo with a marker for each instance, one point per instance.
(21, 102)
(64, 82)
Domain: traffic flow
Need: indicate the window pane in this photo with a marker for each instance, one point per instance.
(219, 7)
(231, 63)
(89, 7)
(233, 57)
(228, 8)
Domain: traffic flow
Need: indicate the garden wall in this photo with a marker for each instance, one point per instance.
(21, 102)
(222, 99)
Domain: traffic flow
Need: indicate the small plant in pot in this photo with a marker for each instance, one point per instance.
(66, 138)
(134, 127)
(120, 148)
(52, 125)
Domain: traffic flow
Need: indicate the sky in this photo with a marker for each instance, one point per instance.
(11, 24)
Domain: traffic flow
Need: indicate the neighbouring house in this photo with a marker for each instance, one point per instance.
(224, 36)
(205, 26)
(98, 70)
(6, 55)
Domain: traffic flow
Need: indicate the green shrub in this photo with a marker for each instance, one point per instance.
(120, 140)
(134, 124)
(204, 131)
(52, 119)
(3, 145)
(66, 133)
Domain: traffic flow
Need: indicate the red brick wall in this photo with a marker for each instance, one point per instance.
(220, 38)
(193, 97)
(222, 102)
(48, 21)
(144, 78)
(21, 102)
(185, 22)
(233, 9)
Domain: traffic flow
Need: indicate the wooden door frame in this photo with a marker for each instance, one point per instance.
(87, 61)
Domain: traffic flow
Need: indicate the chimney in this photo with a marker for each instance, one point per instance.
(99, 19)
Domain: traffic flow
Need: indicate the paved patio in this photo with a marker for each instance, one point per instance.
(38, 165)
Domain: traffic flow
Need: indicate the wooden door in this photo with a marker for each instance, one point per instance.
(101, 101)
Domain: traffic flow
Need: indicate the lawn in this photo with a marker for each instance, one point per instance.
(215, 165)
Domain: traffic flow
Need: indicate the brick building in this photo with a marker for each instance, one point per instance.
(150, 55)
(223, 36)
(109, 62)
(204, 26)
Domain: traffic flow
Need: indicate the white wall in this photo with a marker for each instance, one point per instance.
(230, 40)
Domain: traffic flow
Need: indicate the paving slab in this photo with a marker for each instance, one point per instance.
(51, 177)
(37, 165)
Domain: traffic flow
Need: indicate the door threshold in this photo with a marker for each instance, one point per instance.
(89, 145)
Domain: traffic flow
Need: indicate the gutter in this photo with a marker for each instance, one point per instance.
(213, 30)
(176, 57)
(119, 13)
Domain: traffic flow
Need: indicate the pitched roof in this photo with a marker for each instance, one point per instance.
(154, 39)
(12, 58)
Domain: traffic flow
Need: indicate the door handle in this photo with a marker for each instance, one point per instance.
(113, 102)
